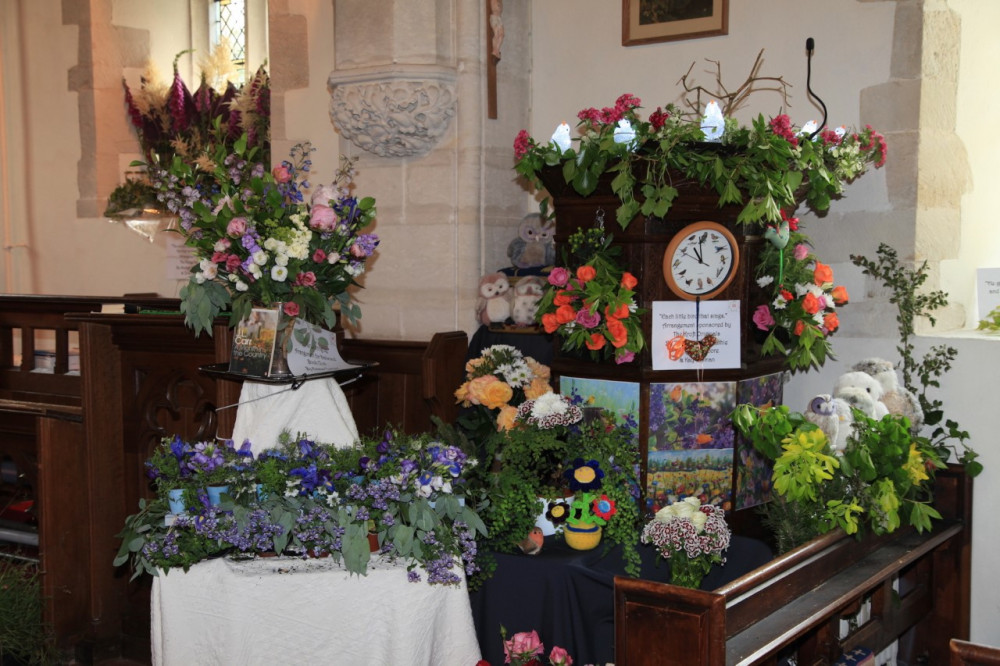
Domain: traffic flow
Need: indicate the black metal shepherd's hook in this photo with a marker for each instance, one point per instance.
(810, 45)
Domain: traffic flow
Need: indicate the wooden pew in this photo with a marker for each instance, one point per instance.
(798, 600)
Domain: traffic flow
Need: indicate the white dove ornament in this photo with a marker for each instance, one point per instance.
(561, 137)
(808, 129)
(713, 124)
(625, 134)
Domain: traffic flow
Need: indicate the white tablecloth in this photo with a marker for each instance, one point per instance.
(318, 409)
(292, 611)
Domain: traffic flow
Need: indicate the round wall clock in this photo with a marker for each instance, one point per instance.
(700, 260)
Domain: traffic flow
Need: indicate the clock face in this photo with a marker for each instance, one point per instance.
(700, 260)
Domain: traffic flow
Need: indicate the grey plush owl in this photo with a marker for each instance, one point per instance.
(533, 246)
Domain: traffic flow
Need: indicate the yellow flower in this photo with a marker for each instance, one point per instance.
(537, 369)
(496, 395)
(506, 418)
(915, 465)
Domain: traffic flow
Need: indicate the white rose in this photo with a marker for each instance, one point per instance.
(281, 259)
(209, 269)
(255, 271)
(698, 519)
(241, 285)
(260, 257)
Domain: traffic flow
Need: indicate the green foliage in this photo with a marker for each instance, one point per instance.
(881, 481)
(25, 638)
(919, 375)
(754, 166)
(991, 323)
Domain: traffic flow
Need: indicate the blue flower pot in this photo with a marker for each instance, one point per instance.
(175, 498)
(215, 494)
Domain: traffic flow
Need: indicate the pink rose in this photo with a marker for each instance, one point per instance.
(322, 217)
(306, 279)
(523, 645)
(281, 174)
(232, 263)
(587, 319)
(358, 251)
(559, 277)
(291, 309)
(319, 255)
(801, 251)
(333, 257)
(620, 358)
(762, 317)
(559, 657)
(236, 227)
(218, 257)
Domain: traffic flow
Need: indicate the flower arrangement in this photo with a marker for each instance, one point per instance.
(591, 304)
(884, 478)
(170, 120)
(259, 243)
(589, 464)
(801, 314)
(496, 383)
(692, 536)
(525, 648)
(301, 497)
(767, 167)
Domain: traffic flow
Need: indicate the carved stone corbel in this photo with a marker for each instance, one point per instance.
(398, 112)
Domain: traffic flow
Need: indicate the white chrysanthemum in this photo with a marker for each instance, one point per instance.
(548, 404)
(765, 280)
(779, 303)
(279, 273)
(260, 257)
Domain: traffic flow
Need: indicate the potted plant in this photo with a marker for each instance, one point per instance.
(692, 536)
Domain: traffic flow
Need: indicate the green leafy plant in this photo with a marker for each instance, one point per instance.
(991, 323)
(881, 481)
(921, 374)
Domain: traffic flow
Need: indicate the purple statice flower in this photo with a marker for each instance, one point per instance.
(413, 576)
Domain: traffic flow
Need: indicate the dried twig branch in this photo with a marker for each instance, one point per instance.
(731, 101)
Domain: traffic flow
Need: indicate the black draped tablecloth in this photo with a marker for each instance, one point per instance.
(567, 596)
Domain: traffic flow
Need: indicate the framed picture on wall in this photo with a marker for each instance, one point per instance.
(648, 21)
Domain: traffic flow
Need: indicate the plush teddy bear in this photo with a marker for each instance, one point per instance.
(897, 399)
(493, 304)
(861, 391)
(527, 292)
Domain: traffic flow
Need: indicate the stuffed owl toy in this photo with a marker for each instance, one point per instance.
(834, 418)
(861, 391)
(493, 304)
(533, 246)
(527, 292)
(897, 399)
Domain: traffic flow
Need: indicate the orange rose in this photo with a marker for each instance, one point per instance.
(619, 313)
(537, 388)
(562, 297)
(565, 314)
(799, 327)
(676, 393)
(473, 364)
(586, 273)
(831, 322)
(840, 296)
(619, 334)
(497, 395)
(505, 419)
(537, 369)
(476, 388)
(550, 323)
(810, 303)
(596, 341)
(628, 280)
(823, 274)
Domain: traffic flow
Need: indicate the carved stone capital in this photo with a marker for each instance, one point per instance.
(398, 112)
